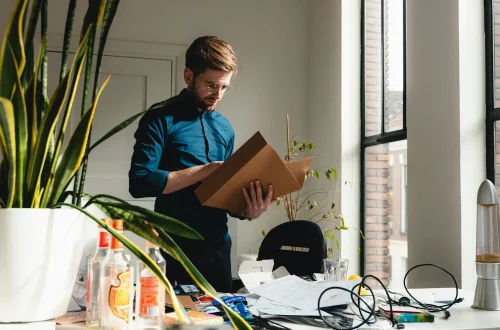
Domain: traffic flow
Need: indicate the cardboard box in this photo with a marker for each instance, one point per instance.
(254, 160)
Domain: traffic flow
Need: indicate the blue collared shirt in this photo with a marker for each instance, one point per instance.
(173, 135)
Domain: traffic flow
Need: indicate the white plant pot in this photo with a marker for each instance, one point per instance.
(40, 251)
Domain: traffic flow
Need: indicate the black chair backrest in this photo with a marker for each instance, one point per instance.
(297, 245)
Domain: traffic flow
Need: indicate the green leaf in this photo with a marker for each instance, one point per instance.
(47, 127)
(70, 18)
(334, 173)
(310, 146)
(337, 244)
(263, 233)
(30, 34)
(333, 206)
(43, 30)
(116, 129)
(278, 202)
(316, 174)
(165, 242)
(73, 155)
(359, 250)
(167, 223)
(183, 317)
(361, 233)
(8, 142)
(327, 173)
(20, 121)
(173, 249)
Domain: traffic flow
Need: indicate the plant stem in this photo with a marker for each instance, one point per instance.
(290, 204)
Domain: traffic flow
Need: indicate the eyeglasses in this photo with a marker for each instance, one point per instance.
(213, 88)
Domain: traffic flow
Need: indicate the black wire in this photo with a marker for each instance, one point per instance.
(431, 308)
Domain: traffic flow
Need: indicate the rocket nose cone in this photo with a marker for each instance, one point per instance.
(487, 193)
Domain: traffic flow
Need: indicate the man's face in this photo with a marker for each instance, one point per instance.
(208, 87)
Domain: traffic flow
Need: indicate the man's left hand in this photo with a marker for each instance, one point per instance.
(256, 205)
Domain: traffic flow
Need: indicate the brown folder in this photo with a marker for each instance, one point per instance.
(254, 160)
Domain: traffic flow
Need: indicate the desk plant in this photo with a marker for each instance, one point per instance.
(319, 204)
(35, 171)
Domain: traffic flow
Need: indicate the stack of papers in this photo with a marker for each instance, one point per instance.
(280, 293)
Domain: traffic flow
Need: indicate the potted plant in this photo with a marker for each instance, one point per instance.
(40, 231)
(318, 204)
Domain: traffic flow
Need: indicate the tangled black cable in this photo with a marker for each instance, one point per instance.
(372, 318)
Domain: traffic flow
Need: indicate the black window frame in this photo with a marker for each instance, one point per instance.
(492, 113)
(384, 137)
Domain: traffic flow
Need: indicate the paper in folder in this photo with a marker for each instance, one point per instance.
(254, 160)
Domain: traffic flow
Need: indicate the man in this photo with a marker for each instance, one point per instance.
(180, 142)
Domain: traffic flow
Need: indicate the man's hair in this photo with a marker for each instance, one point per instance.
(210, 52)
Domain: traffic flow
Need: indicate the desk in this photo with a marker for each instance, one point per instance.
(463, 317)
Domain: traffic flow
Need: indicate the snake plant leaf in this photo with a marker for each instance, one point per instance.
(30, 34)
(31, 105)
(43, 31)
(165, 242)
(47, 126)
(8, 141)
(181, 312)
(74, 153)
(18, 102)
(168, 244)
(68, 29)
(116, 129)
(165, 222)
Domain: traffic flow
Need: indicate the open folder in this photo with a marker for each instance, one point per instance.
(254, 160)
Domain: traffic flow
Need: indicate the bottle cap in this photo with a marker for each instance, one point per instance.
(118, 224)
(108, 222)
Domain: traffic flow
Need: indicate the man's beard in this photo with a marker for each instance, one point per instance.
(200, 102)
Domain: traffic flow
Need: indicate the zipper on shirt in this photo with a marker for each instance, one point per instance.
(207, 147)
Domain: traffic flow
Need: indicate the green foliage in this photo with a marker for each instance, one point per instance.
(34, 170)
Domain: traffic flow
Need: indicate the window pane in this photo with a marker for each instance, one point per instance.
(386, 247)
(497, 155)
(496, 34)
(394, 66)
(373, 67)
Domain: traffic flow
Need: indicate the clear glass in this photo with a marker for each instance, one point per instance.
(150, 301)
(496, 52)
(394, 77)
(115, 307)
(93, 277)
(335, 269)
(374, 85)
(488, 234)
(386, 220)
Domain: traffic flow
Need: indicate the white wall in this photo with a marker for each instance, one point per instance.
(445, 94)
(333, 117)
(270, 39)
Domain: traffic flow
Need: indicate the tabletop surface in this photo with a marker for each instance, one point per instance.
(463, 317)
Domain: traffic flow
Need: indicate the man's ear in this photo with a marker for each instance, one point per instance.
(188, 76)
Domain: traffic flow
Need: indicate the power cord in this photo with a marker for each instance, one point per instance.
(404, 301)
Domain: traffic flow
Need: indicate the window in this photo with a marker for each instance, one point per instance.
(383, 130)
(404, 198)
(492, 52)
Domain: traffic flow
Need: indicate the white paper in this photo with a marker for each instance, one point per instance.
(254, 273)
(295, 292)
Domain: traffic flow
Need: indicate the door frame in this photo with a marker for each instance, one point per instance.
(174, 53)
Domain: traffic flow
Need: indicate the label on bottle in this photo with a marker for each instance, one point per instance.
(116, 244)
(149, 297)
(119, 296)
(88, 286)
(104, 239)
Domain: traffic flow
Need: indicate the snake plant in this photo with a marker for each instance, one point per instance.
(35, 171)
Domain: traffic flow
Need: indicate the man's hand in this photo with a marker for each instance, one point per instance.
(255, 204)
(183, 178)
(210, 168)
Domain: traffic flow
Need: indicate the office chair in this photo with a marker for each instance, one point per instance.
(297, 245)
